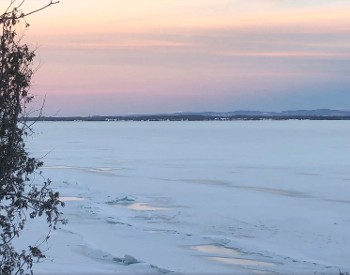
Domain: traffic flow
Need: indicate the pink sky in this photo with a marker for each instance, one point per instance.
(148, 56)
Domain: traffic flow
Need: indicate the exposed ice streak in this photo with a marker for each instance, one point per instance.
(145, 207)
(65, 199)
(237, 261)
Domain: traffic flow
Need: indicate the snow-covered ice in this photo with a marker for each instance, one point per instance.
(240, 197)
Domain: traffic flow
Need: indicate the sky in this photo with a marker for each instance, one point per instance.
(116, 57)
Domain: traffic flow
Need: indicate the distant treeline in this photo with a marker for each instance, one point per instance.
(191, 117)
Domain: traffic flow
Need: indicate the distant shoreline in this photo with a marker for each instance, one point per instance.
(317, 114)
(187, 118)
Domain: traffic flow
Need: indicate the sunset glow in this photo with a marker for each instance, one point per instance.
(149, 56)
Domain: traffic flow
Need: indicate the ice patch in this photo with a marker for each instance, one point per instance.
(130, 203)
(238, 261)
(145, 207)
(225, 255)
(216, 249)
(65, 199)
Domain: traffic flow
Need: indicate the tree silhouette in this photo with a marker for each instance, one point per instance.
(20, 197)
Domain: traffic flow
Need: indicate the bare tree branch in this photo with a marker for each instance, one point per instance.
(40, 9)
(7, 14)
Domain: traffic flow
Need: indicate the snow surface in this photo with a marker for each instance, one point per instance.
(240, 197)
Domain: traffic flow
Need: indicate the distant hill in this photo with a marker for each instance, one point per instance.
(318, 114)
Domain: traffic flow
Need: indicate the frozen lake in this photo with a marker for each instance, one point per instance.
(239, 197)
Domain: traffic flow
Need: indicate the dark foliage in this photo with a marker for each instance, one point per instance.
(20, 197)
